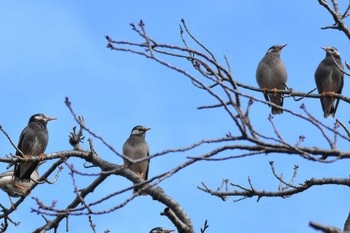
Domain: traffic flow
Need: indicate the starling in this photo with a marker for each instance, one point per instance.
(271, 74)
(135, 147)
(160, 230)
(32, 142)
(16, 188)
(329, 81)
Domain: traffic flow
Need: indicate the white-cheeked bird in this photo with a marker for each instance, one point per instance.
(136, 147)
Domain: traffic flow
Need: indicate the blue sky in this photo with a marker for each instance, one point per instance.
(50, 50)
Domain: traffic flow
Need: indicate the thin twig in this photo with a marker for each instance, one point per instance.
(10, 140)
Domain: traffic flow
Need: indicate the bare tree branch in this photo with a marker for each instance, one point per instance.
(243, 139)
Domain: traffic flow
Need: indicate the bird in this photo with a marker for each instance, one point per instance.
(136, 147)
(32, 142)
(329, 81)
(16, 188)
(271, 74)
(160, 230)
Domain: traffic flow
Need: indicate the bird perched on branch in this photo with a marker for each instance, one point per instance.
(329, 80)
(271, 74)
(32, 142)
(136, 147)
(16, 188)
(160, 230)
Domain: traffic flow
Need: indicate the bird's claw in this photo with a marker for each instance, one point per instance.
(42, 156)
(328, 93)
(139, 175)
(273, 89)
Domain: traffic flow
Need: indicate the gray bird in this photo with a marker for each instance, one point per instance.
(160, 230)
(136, 147)
(329, 81)
(32, 142)
(272, 74)
(16, 188)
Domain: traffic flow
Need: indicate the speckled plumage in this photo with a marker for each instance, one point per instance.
(136, 147)
(160, 230)
(272, 74)
(328, 79)
(32, 142)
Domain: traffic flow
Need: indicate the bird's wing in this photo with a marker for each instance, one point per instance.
(262, 78)
(17, 170)
(20, 143)
(341, 84)
(26, 141)
(260, 75)
(322, 74)
(148, 162)
(126, 152)
(339, 91)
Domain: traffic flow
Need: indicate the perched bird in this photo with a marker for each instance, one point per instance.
(329, 80)
(16, 188)
(160, 230)
(136, 147)
(32, 142)
(272, 74)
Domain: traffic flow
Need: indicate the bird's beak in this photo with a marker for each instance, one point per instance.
(282, 46)
(324, 48)
(50, 118)
(167, 231)
(146, 129)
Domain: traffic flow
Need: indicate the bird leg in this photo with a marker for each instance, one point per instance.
(42, 156)
(140, 175)
(328, 93)
(274, 90)
(331, 93)
(12, 204)
(26, 157)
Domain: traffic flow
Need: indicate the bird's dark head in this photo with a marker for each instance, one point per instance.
(139, 130)
(160, 230)
(276, 48)
(41, 118)
(331, 51)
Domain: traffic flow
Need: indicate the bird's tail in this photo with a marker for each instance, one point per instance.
(278, 100)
